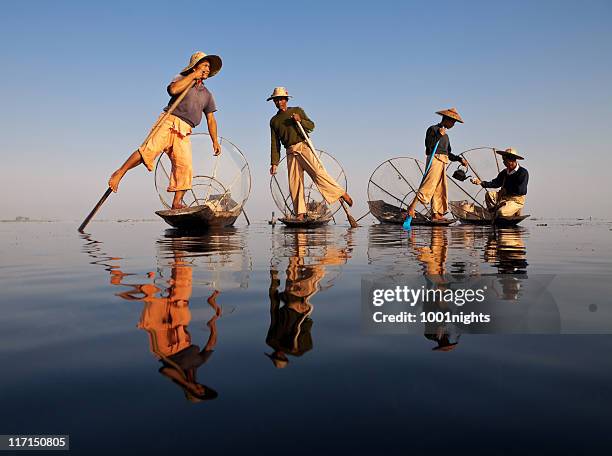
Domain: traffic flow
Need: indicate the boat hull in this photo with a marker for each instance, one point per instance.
(499, 221)
(307, 223)
(198, 218)
(393, 215)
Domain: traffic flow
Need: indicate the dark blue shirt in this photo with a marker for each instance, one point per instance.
(444, 148)
(514, 184)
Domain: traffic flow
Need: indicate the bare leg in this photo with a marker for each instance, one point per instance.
(177, 202)
(133, 161)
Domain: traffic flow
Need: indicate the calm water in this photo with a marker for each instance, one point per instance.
(133, 337)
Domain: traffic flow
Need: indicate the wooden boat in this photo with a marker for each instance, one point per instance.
(306, 222)
(199, 217)
(498, 221)
(388, 213)
(470, 214)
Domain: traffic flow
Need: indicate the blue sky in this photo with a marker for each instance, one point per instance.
(83, 82)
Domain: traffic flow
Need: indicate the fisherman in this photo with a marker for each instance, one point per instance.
(513, 182)
(433, 188)
(172, 136)
(300, 158)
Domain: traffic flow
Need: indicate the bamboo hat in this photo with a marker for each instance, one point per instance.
(279, 92)
(197, 57)
(510, 153)
(451, 113)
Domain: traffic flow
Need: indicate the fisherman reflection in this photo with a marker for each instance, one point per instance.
(433, 258)
(290, 310)
(506, 250)
(166, 317)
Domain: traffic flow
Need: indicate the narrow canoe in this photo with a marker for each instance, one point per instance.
(198, 218)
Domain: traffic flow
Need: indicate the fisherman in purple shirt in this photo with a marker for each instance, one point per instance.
(172, 136)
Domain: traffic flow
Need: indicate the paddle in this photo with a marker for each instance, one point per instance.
(349, 217)
(408, 220)
(154, 130)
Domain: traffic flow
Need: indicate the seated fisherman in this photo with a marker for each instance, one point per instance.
(513, 182)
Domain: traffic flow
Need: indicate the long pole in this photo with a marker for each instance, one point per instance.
(349, 217)
(153, 131)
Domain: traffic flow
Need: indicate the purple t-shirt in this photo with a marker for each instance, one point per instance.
(197, 101)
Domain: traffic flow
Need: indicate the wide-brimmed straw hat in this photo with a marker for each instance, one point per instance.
(197, 57)
(451, 113)
(279, 92)
(510, 153)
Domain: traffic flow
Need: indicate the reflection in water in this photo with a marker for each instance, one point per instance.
(432, 253)
(166, 314)
(447, 257)
(506, 250)
(308, 253)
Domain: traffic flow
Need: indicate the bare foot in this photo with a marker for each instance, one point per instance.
(347, 199)
(179, 206)
(114, 180)
(438, 217)
(300, 217)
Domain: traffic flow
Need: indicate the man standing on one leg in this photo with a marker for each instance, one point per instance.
(172, 136)
(513, 182)
(300, 158)
(434, 187)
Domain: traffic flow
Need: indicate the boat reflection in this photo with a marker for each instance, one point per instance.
(314, 260)
(167, 293)
(506, 251)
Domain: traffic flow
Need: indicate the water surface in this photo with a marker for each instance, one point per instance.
(136, 337)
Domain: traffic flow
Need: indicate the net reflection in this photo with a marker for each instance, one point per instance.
(218, 260)
(314, 260)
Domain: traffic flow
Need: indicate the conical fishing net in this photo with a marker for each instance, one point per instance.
(393, 186)
(467, 200)
(318, 208)
(221, 182)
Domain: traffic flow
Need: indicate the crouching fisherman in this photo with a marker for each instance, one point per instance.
(300, 158)
(510, 199)
(172, 136)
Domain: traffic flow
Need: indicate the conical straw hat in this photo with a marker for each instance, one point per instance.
(510, 153)
(451, 113)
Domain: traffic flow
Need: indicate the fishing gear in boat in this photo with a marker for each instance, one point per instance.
(319, 212)
(391, 188)
(215, 200)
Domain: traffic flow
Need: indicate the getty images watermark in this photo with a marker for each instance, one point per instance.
(442, 298)
(486, 304)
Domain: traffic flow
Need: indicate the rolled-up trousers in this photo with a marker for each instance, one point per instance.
(504, 205)
(434, 187)
(299, 159)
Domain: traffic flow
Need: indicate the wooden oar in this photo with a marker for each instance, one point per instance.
(154, 130)
(349, 217)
